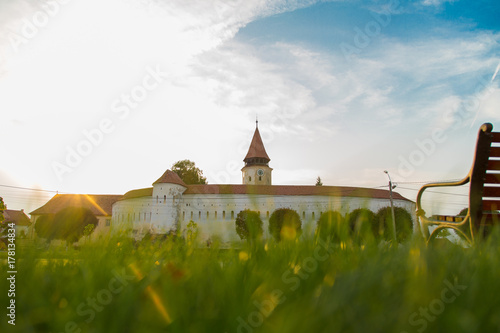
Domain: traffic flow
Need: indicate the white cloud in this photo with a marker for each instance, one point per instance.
(435, 2)
(65, 80)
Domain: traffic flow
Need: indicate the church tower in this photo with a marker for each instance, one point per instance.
(256, 170)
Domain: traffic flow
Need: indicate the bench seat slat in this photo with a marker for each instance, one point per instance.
(496, 136)
(449, 218)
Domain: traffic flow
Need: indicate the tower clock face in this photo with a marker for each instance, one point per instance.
(260, 172)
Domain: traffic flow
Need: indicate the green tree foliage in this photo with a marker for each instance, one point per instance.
(2, 208)
(3, 228)
(71, 223)
(188, 172)
(361, 222)
(44, 227)
(383, 224)
(285, 223)
(463, 212)
(249, 225)
(68, 224)
(319, 182)
(331, 224)
(88, 230)
(192, 233)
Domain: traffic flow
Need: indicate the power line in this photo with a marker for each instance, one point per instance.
(430, 191)
(429, 181)
(30, 189)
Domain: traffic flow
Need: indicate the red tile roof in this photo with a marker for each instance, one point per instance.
(170, 177)
(18, 217)
(337, 191)
(256, 149)
(99, 204)
(306, 190)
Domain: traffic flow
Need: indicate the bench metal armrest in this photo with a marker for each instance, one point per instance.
(420, 211)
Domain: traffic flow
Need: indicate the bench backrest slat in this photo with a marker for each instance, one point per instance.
(492, 178)
(491, 191)
(484, 178)
(493, 165)
(495, 152)
(491, 205)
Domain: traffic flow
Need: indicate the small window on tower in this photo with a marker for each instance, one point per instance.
(249, 178)
(260, 178)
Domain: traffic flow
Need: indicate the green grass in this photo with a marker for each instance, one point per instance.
(294, 286)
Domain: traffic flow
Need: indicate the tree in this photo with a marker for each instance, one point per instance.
(332, 224)
(285, 223)
(383, 224)
(192, 233)
(361, 222)
(69, 223)
(188, 172)
(3, 229)
(44, 227)
(2, 208)
(88, 230)
(318, 181)
(249, 225)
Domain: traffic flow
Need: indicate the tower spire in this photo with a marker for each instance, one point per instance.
(256, 170)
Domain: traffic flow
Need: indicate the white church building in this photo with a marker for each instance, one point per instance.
(170, 203)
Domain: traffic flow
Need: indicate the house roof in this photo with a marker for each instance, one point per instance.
(256, 149)
(277, 190)
(142, 192)
(18, 217)
(99, 204)
(170, 177)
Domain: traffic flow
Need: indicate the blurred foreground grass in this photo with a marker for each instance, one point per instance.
(292, 286)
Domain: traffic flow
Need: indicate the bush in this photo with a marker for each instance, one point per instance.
(383, 224)
(361, 222)
(249, 225)
(285, 223)
(332, 224)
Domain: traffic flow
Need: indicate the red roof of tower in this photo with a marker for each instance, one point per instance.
(170, 177)
(256, 149)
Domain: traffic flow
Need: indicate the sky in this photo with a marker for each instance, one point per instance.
(101, 97)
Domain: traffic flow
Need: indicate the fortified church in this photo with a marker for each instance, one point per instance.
(170, 203)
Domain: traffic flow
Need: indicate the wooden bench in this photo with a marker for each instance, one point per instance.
(484, 192)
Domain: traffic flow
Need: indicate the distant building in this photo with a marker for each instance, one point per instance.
(20, 220)
(99, 204)
(170, 202)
